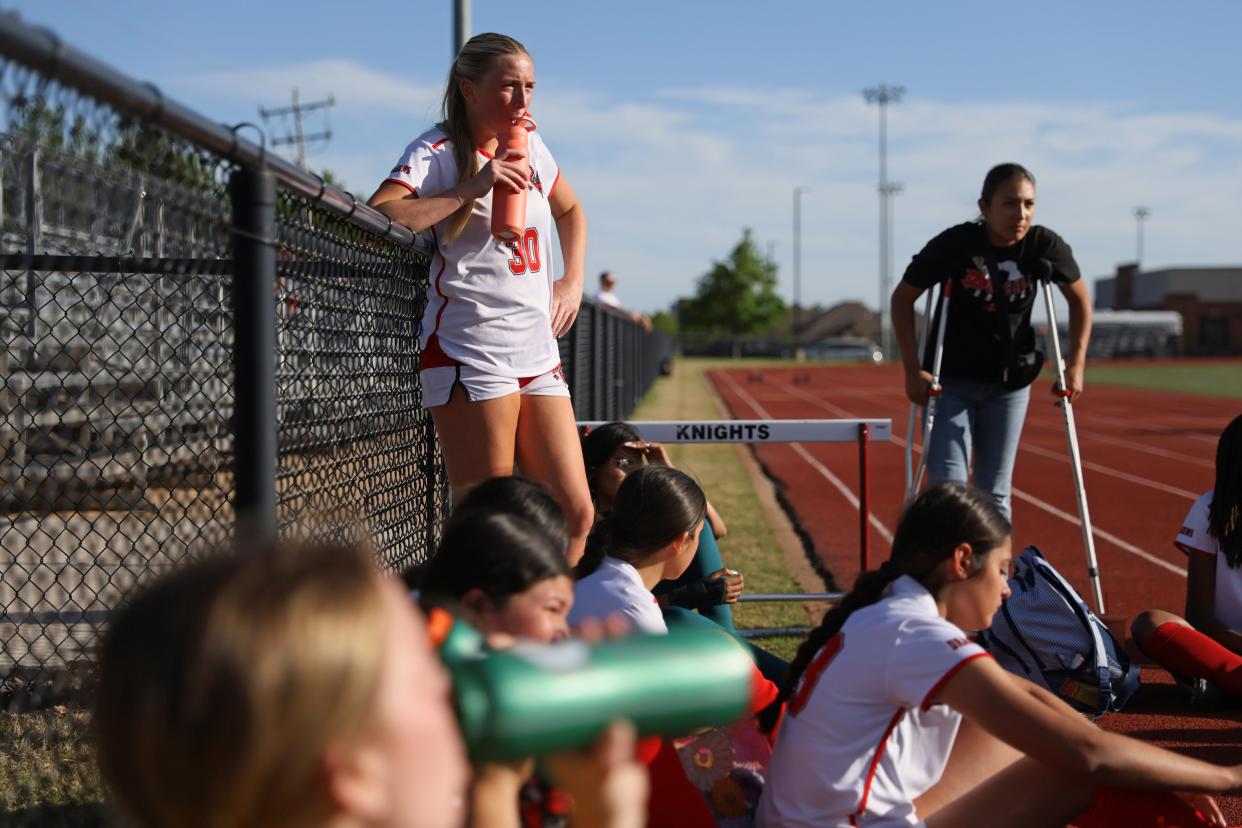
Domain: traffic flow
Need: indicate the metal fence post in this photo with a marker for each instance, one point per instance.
(599, 371)
(253, 195)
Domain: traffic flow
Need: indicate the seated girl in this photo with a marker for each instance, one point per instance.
(612, 451)
(293, 686)
(896, 718)
(649, 535)
(1206, 645)
(502, 556)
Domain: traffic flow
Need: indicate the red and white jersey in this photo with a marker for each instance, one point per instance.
(616, 588)
(1194, 539)
(489, 304)
(860, 739)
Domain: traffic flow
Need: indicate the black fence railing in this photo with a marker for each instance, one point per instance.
(195, 335)
(610, 362)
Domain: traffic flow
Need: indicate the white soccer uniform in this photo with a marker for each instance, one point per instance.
(616, 588)
(1195, 540)
(861, 739)
(489, 303)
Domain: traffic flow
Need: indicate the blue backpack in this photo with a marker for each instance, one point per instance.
(1046, 633)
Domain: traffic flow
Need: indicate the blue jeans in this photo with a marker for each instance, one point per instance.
(983, 421)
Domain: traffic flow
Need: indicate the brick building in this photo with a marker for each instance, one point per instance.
(1208, 298)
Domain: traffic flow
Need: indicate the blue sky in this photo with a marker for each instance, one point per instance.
(680, 123)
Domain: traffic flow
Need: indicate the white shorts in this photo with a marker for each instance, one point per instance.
(439, 384)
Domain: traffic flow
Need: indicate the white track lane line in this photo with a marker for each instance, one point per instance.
(1042, 452)
(801, 451)
(1103, 438)
(1102, 534)
(1082, 432)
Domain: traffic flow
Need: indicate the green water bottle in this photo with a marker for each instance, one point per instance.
(536, 699)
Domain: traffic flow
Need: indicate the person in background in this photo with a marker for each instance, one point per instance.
(607, 296)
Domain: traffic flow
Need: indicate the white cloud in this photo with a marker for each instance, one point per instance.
(353, 85)
(670, 177)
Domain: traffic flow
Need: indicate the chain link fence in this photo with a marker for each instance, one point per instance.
(127, 344)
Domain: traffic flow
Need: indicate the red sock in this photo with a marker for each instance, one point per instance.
(1138, 809)
(1187, 652)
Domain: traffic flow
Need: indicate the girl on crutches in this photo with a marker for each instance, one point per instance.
(989, 353)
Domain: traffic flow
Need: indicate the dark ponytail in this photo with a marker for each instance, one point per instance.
(931, 527)
(498, 553)
(654, 506)
(1224, 520)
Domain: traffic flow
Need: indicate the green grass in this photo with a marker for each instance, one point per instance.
(749, 546)
(47, 768)
(1215, 379)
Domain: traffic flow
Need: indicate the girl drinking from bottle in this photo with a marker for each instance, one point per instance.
(1206, 645)
(991, 270)
(897, 718)
(490, 367)
(293, 686)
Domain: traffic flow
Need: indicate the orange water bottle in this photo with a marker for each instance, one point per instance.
(509, 207)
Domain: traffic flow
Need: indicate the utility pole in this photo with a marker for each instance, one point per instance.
(885, 95)
(797, 260)
(461, 25)
(1140, 215)
(299, 137)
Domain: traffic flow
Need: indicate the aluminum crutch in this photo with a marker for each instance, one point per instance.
(914, 407)
(933, 393)
(1071, 433)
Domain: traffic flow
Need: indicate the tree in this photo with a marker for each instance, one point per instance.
(737, 296)
(664, 321)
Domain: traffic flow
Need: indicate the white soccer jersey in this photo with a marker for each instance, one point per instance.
(616, 588)
(1194, 539)
(860, 740)
(489, 304)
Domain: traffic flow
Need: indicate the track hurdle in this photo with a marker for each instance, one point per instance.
(861, 432)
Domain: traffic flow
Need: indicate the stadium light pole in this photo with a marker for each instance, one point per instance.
(1140, 216)
(461, 25)
(883, 95)
(797, 260)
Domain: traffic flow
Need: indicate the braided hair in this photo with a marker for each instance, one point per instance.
(944, 516)
(1224, 520)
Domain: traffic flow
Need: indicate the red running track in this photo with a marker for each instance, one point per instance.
(1147, 456)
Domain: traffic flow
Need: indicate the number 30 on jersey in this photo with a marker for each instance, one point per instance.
(525, 253)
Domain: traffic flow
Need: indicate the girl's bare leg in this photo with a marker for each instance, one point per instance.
(478, 439)
(549, 451)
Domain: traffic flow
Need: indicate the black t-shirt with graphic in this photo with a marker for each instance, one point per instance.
(974, 347)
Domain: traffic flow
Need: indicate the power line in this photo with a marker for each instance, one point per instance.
(299, 137)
